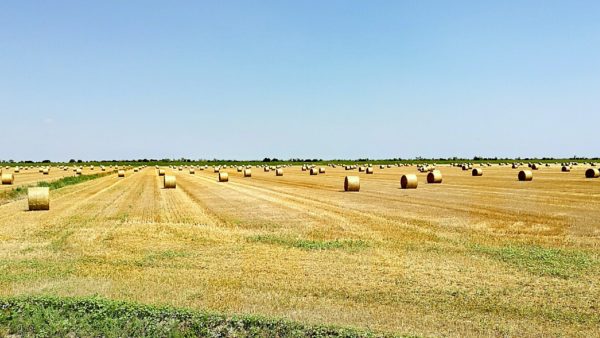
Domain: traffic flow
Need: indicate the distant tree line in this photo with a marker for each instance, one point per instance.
(308, 160)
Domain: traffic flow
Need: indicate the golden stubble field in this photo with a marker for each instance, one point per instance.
(472, 256)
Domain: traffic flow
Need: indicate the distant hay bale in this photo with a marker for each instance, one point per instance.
(8, 179)
(515, 166)
(434, 176)
(239, 169)
(534, 166)
(304, 168)
(525, 175)
(38, 198)
(192, 171)
(352, 183)
(477, 172)
(169, 182)
(370, 170)
(17, 170)
(361, 169)
(247, 172)
(266, 169)
(161, 172)
(409, 181)
(381, 166)
(321, 170)
(566, 168)
(590, 173)
(78, 171)
(314, 171)
(279, 172)
(216, 170)
(135, 170)
(46, 171)
(223, 177)
(121, 173)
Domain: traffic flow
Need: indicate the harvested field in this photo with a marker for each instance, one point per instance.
(473, 256)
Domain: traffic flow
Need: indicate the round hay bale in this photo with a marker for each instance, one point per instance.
(216, 170)
(370, 170)
(266, 169)
(525, 175)
(515, 166)
(314, 171)
(434, 176)
(38, 198)
(161, 172)
(303, 168)
(590, 173)
(239, 169)
(409, 181)
(78, 172)
(381, 166)
(223, 177)
(8, 179)
(279, 172)
(46, 171)
(192, 171)
(321, 170)
(121, 173)
(169, 182)
(361, 169)
(135, 170)
(477, 172)
(247, 172)
(566, 168)
(535, 166)
(17, 170)
(352, 183)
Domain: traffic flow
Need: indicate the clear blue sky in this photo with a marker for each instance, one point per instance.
(328, 79)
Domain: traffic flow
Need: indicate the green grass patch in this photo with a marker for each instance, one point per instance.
(33, 269)
(562, 263)
(156, 258)
(71, 180)
(98, 317)
(305, 244)
(21, 191)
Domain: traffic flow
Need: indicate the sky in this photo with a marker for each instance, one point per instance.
(309, 79)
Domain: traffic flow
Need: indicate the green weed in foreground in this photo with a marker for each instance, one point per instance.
(541, 261)
(306, 244)
(97, 317)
